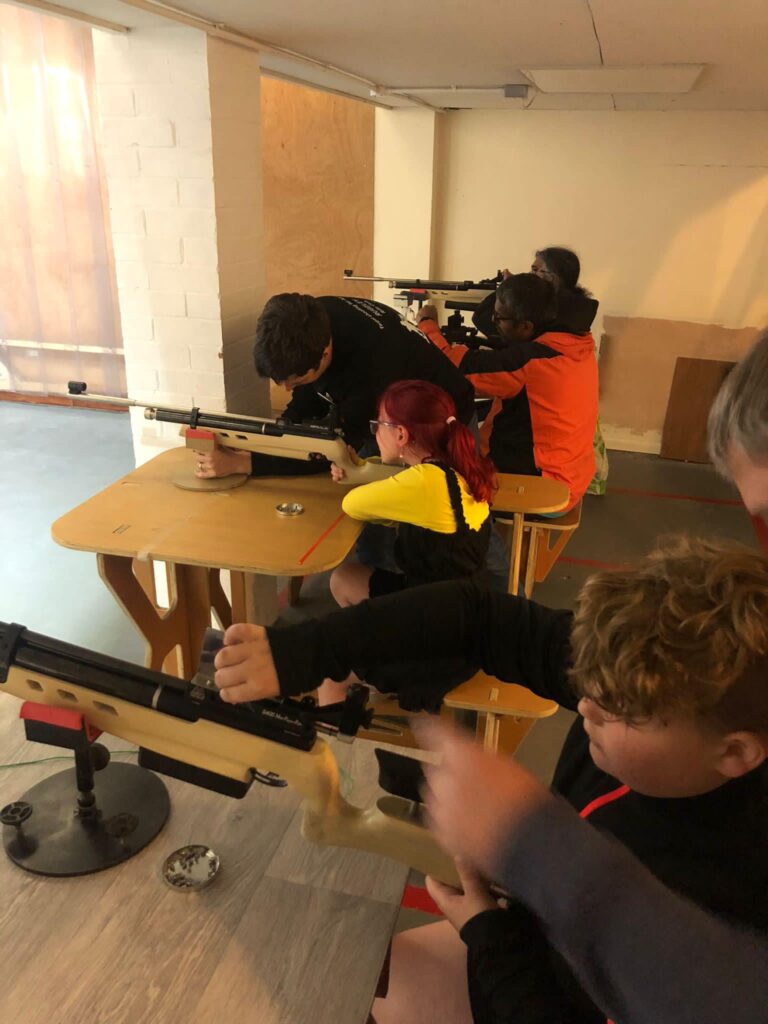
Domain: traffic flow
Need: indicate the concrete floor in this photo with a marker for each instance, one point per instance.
(54, 458)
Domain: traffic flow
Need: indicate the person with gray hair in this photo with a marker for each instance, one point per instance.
(738, 428)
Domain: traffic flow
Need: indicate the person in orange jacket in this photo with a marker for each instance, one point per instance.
(543, 381)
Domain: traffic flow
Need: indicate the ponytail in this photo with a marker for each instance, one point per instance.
(428, 413)
(476, 469)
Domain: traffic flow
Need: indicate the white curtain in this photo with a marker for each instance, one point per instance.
(58, 306)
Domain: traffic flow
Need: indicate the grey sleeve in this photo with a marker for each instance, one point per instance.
(644, 954)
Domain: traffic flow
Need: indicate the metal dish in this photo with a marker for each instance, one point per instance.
(289, 508)
(191, 868)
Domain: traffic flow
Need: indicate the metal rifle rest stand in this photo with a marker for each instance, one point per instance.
(74, 822)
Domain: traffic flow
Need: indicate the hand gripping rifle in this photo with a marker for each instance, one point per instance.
(184, 729)
(202, 431)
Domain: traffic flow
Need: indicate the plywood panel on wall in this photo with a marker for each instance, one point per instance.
(318, 192)
(637, 363)
(318, 189)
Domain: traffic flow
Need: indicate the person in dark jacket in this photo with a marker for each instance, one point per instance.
(341, 354)
(576, 314)
(644, 954)
(543, 382)
(666, 665)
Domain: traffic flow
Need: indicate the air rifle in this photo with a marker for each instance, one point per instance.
(488, 284)
(184, 729)
(202, 431)
(455, 331)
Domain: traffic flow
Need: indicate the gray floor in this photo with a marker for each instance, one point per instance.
(54, 458)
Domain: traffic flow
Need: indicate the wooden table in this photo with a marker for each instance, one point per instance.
(518, 496)
(289, 932)
(144, 518)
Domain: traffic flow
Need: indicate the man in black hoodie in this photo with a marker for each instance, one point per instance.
(337, 354)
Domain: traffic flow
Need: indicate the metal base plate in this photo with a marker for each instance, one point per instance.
(133, 806)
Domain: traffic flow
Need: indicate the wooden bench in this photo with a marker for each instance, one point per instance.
(544, 544)
(517, 498)
(505, 713)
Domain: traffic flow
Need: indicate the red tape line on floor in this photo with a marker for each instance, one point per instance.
(674, 497)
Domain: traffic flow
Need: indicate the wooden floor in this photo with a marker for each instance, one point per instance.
(289, 933)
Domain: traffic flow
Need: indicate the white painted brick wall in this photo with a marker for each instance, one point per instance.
(207, 307)
(176, 163)
(190, 275)
(196, 192)
(175, 329)
(155, 114)
(167, 303)
(201, 252)
(176, 222)
(166, 277)
(137, 131)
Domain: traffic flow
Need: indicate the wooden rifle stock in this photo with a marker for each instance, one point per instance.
(162, 714)
(302, 441)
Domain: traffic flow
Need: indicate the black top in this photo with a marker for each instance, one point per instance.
(372, 348)
(645, 955)
(712, 848)
(426, 556)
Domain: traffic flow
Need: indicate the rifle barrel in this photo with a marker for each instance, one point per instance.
(485, 285)
(239, 424)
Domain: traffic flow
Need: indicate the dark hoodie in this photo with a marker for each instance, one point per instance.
(576, 312)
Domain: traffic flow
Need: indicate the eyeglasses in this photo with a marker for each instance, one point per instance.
(498, 319)
(375, 424)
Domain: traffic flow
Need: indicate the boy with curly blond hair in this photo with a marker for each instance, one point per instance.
(667, 665)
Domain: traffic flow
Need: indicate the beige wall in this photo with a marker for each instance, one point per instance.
(668, 212)
(404, 196)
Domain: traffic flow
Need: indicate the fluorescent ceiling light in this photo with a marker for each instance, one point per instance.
(649, 78)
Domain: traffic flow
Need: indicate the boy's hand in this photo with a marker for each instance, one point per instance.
(474, 799)
(244, 666)
(222, 461)
(460, 905)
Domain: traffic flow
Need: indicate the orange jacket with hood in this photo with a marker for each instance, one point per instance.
(545, 403)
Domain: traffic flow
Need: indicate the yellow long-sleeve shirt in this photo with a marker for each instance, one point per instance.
(419, 496)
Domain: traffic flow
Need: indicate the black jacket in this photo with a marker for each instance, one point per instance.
(711, 848)
(372, 348)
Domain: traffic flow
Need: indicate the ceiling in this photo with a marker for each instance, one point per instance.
(434, 51)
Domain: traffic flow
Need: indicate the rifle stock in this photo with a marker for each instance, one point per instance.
(277, 437)
(126, 701)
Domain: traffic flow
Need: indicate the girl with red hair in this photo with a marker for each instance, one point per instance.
(439, 505)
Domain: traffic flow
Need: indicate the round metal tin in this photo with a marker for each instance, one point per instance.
(190, 868)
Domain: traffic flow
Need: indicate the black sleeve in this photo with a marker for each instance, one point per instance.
(482, 316)
(509, 970)
(279, 465)
(305, 404)
(514, 639)
(508, 359)
(644, 954)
